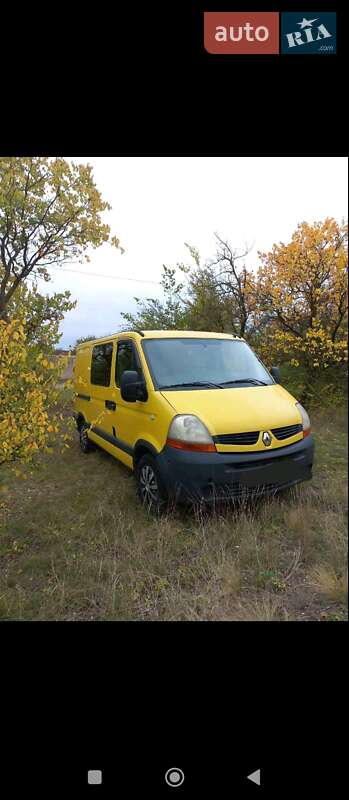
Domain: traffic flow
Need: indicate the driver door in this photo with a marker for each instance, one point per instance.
(130, 418)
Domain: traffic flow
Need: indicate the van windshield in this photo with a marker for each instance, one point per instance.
(203, 363)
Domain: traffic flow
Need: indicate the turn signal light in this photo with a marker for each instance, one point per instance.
(198, 448)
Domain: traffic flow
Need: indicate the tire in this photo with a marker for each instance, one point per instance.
(150, 488)
(85, 443)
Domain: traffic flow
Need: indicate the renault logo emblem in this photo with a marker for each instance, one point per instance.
(266, 439)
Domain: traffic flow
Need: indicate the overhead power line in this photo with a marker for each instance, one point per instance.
(99, 275)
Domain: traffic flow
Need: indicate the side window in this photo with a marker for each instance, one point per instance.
(101, 364)
(126, 358)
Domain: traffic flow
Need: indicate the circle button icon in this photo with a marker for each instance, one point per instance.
(174, 776)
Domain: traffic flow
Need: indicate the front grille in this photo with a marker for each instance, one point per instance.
(233, 491)
(287, 431)
(237, 438)
(239, 490)
(251, 437)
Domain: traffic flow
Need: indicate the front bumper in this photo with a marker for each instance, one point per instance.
(209, 476)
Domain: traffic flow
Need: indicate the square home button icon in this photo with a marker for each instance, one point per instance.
(94, 776)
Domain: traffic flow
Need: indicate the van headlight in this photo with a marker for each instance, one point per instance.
(187, 432)
(305, 420)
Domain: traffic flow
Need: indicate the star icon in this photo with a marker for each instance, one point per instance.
(306, 23)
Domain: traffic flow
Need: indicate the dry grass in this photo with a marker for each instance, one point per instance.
(329, 584)
(76, 545)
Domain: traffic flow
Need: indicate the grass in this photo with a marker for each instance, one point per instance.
(75, 544)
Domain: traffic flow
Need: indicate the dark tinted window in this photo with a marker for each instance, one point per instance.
(126, 358)
(101, 364)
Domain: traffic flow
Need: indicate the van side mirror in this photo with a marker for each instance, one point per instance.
(275, 373)
(131, 387)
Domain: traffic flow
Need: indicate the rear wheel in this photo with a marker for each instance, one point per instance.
(151, 490)
(85, 443)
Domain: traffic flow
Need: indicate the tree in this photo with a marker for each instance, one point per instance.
(302, 288)
(40, 315)
(293, 311)
(235, 283)
(153, 313)
(50, 213)
(28, 396)
(82, 339)
(207, 308)
(219, 295)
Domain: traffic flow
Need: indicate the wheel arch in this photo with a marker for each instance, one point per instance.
(142, 448)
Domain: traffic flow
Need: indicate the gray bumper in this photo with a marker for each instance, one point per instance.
(208, 476)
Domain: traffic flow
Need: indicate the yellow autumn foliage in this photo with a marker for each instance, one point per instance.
(303, 292)
(28, 395)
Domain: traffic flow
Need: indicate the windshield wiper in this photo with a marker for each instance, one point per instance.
(192, 383)
(247, 380)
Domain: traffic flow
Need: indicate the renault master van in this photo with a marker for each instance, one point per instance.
(195, 415)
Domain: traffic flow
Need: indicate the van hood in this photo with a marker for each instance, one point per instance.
(239, 409)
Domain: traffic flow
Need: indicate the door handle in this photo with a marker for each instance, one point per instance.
(110, 404)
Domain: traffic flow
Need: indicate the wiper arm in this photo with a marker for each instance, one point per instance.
(254, 381)
(191, 383)
(247, 380)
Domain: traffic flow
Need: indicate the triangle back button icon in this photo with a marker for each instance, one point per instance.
(255, 777)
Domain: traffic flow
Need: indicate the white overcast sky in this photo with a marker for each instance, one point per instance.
(158, 203)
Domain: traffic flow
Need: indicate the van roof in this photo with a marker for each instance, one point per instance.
(162, 334)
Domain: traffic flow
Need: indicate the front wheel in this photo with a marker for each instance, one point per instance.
(151, 490)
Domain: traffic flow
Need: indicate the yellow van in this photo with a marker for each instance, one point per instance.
(196, 415)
